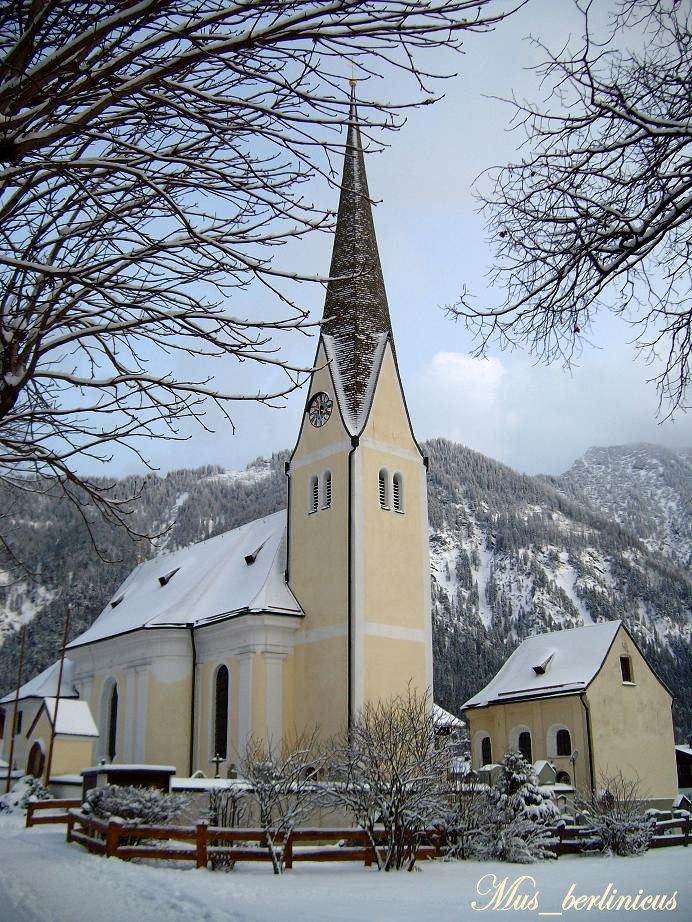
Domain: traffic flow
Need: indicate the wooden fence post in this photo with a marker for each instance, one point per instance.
(113, 837)
(201, 843)
(70, 824)
(687, 833)
(29, 814)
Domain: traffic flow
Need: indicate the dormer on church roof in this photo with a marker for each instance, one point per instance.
(356, 321)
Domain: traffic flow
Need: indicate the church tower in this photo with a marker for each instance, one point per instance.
(358, 558)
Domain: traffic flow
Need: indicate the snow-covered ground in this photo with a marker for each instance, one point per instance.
(42, 878)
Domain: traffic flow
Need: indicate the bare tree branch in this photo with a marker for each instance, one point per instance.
(155, 156)
(597, 215)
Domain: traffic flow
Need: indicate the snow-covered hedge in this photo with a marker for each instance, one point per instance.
(136, 806)
(25, 790)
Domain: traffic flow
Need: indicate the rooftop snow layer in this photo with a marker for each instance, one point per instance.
(238, 571)
(571, 659)
(74, 717)
(45, 684)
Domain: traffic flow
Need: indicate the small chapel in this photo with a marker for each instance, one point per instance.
(295, 620)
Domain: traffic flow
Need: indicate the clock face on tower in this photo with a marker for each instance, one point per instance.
(320, 409)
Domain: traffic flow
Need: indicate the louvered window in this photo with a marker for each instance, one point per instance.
(384, 489)
(314, 498)
(398, 492)
(327, 490)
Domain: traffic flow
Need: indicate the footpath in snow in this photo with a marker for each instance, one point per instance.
(42, 879)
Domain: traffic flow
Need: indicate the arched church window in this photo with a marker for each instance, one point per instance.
(327, 490)
(563, 743)
(398, 492)
(524, 743)
(384, 489)
(112, 723)
(314, 496)
(486, 751)
(221, 712)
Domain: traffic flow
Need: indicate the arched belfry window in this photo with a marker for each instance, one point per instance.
(327, 490)
(220, 742)
(398, 492)
(112, 723)
(314, 494)
(486, 751)
(384, 489)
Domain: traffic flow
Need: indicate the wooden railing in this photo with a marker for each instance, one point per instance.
(43, 806)
(203, 843)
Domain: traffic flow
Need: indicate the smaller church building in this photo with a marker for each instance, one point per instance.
(585, 700)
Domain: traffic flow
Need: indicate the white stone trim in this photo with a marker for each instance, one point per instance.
(142, 694)
(274, 697)
(244, 702)
(320, 633)
(390, 449)
(128, 749)
(394, 632)
(321, 454)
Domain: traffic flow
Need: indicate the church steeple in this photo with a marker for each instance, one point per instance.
(356, 314)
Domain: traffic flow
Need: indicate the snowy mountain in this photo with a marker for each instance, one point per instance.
(646, 488)
(511, 556)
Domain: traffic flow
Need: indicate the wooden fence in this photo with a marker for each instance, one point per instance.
(203, 843)
(206, 844)
(48, 808)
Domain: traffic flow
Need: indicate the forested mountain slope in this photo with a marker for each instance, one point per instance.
(511, 555)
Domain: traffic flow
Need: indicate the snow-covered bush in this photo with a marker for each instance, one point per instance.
(617, 813)
(516, 817)
(389, 774)
(26, 789)
(136, 806)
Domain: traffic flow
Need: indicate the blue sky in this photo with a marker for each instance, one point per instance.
(432, 243)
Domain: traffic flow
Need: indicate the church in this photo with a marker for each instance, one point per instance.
(295, 620)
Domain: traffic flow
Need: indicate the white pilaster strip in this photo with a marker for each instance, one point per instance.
(142, 686)
(244, 701)
(128, 747)
(274, 697)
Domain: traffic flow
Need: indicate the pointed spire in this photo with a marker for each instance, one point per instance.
(356, 313)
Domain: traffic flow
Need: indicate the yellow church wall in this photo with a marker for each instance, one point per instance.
(391, 665)
(71, 756)
(632, 728)
(168, 734)
(28, 707)
(388, 421)
(320, 692)
(538, 716)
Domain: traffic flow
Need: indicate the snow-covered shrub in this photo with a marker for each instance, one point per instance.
(228, 807)
(136, 806)
(389, 774)
(26, 789)
(617, 813)
(516, 817)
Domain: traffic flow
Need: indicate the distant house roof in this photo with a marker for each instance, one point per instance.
(45, 684)
(74, 717)
(239, 571)
(558, 663)
(443, 719)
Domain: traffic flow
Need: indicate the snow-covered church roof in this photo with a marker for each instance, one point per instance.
(45, 684)
(559, 663)
(237, 572)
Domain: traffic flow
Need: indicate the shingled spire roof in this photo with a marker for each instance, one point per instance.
(356, 314)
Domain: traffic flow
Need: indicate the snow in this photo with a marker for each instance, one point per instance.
(577, 655)
(74, 717)
(42, 877)
(45, 684)
(212, 579)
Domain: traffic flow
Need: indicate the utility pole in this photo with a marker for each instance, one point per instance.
(20, 666)
(54, 724)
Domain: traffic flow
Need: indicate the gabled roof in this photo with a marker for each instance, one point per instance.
(356, 318)
(45, 684)
(74, 717)
(239, 571)
(558, 663)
